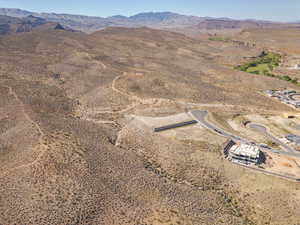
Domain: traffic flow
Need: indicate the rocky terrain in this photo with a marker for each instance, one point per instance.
(74, 147)
(11, 25)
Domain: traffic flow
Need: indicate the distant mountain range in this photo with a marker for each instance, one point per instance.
(10, 25)
(159, 20)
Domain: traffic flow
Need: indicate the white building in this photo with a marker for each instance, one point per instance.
(245, 154)
(296, 67)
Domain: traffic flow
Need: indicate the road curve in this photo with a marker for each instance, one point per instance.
(200, 116)
(262, 129)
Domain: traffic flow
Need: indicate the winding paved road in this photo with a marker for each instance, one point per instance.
(262, 129)
(201, 115)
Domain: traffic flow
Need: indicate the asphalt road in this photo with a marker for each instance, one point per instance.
(267, 172)
(292, 96)
(265, 132)
(201, 115)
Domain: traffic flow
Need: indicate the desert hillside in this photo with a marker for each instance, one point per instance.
(77, 145)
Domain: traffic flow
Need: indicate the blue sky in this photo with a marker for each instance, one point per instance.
(279, 10)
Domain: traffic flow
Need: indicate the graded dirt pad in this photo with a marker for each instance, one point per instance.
(192, 132)
(72, 153)
(283, 165)
(164, 121)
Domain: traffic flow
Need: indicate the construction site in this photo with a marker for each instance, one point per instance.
(246, 154)
(280, 160)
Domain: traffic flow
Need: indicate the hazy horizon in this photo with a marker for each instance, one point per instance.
(236, 9)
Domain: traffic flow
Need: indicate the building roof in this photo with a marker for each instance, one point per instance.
(246, 150)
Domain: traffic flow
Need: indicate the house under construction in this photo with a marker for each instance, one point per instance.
(246, 154)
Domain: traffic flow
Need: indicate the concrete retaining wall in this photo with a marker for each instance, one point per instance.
(176, 125)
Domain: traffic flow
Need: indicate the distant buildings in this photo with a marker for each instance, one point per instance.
(246, 154)
(294, 67)
(293, 138)
(286, 96)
